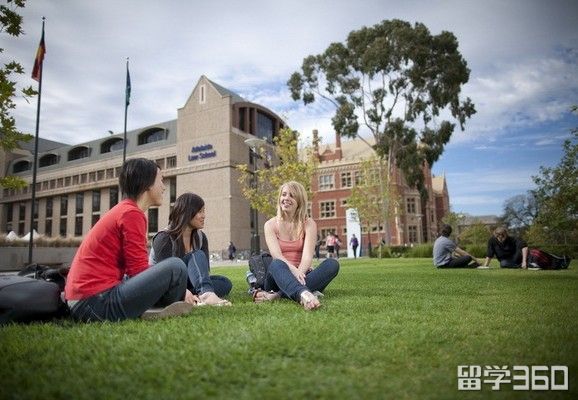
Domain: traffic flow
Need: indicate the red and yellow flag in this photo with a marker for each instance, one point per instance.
(37, 70)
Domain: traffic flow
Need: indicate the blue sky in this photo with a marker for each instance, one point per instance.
(523, 56)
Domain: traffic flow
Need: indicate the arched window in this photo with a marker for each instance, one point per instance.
(78, 153)
(47, 159)
(21, 166)
(111, 145)
(152, 135)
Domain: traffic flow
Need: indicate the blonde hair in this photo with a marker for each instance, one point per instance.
(300, 195)
(501, 231)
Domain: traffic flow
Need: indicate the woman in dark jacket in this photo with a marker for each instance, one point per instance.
(184, 238)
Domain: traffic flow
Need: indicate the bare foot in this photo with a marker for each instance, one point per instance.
(261, 296)
(309, 301)
(211, 299)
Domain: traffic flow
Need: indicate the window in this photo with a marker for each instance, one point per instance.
(161, 163)
(78, 226)
(358, 178)
(109, 173)
(22, 212)
(412, 233)
(78, 153)
(64, 206)
(153, 220)
(79, 203)
(113, 196)
(21, 166)
(95, 200)
(411, 205)
(326, 182)
(344, 203)
(36, 207)
(265, 126)
(47, 159)
(110, 145)
(48, 227)
(327, 209)
(151, 136)
(95, 218)
(171, 162)
(309, 207)
(173, 189)
(325, 232)
(9, 215)
(202, 94)
(49, 207)
(346, 179)
(62, 230)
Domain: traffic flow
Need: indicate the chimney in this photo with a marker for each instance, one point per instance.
(338, 152)
(315, 143)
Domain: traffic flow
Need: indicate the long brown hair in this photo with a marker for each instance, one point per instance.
(186, 207)
(300, 195)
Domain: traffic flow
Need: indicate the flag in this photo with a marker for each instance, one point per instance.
(127, 101)
(37, 70)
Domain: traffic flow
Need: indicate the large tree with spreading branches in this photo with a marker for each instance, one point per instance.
(401, 83)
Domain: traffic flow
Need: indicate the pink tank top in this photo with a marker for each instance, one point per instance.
(292, 250)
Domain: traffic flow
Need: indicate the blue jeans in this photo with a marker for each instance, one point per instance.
(279, 277)
(160, 284)
(199, 279)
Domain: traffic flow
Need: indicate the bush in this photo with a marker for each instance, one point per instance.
(420, 251)
(385, 252)
(477, 250)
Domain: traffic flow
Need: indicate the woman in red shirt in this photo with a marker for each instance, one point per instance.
(291, 238)
(110, 278)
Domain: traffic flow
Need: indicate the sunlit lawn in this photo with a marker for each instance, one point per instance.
(388, 329)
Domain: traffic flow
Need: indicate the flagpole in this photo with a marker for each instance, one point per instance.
(35, 164)
(126, 103)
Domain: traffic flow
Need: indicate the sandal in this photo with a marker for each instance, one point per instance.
(260, 296)
(309, 301)
(211, 299)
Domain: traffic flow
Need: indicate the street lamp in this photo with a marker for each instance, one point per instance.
(254, 145)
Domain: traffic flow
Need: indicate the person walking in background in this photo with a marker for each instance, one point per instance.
(185, 239)
(443, 251)
(337, 245)
(318, 247)
(231, 250)
(290, 237)
(354, 243)
(330, 245)
(110, 278)
(511, 252)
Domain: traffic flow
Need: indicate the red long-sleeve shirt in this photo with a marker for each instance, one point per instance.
(115, 246)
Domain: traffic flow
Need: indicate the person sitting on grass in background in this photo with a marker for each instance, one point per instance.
(110, 278)
(443, 251)
(291, 237)
(184, 238)
(511, 252)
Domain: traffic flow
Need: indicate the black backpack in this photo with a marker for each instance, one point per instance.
(258, 265)
(32, 295)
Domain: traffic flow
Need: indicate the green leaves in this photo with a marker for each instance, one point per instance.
(395, 79)
(10, 137)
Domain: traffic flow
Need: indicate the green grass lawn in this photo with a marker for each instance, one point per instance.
(388, 329)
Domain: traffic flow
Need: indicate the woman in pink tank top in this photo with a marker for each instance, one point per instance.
(291, 238)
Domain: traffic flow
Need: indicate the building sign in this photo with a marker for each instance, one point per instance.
(353, 228)
(201, 152)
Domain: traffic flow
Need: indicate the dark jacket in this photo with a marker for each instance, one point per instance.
(165, 246)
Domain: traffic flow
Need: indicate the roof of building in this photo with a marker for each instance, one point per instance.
(43, 145)
(226, 92)
(352, 151)
(438, 183)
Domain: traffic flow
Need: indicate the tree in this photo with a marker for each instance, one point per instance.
(261, 189)
(476, 233)
(371, 199)
(454, 220)
(556, 194)
(519, 212)
(399, 79)
(10, 137)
